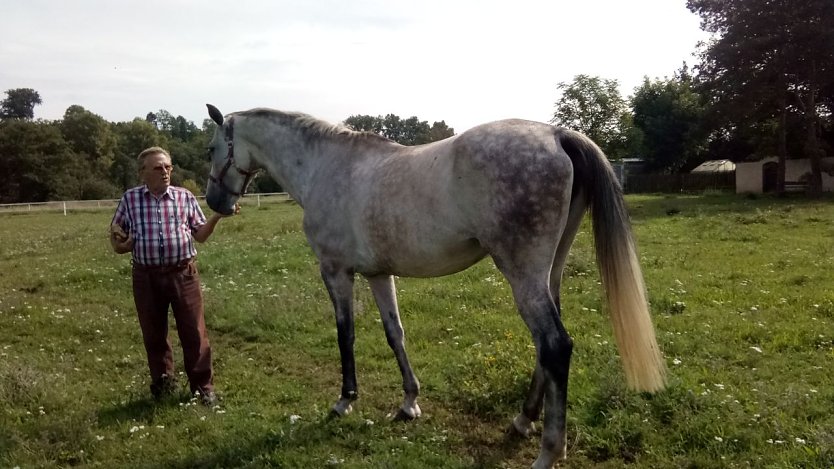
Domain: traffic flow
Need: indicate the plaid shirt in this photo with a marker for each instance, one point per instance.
(163, 227)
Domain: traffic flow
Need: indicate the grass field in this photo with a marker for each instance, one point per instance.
(740, 289)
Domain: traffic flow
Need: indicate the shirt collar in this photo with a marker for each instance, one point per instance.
(167, 192)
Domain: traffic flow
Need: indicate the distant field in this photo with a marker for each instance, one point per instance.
(742, 293)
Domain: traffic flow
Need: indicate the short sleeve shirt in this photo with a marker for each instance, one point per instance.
(162, 227)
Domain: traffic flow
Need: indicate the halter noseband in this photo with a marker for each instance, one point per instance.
(230, 163)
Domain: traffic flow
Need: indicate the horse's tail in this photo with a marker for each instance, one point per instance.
(619, 268)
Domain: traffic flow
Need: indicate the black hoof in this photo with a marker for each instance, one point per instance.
(402, 417)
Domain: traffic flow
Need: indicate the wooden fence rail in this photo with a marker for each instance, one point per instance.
(77, 205)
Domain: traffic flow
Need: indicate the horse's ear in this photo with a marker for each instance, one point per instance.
(215, 114)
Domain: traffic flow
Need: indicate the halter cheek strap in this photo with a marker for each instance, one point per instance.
(230, 163)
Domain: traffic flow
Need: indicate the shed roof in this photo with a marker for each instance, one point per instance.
(715, 166)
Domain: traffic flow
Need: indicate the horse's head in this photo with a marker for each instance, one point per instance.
(231, 166)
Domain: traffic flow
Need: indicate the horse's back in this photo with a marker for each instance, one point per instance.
(433, 209)
(519, 173)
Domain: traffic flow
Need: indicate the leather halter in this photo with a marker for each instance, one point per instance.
(230, 163)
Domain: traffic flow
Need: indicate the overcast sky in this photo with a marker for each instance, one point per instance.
(462, 61)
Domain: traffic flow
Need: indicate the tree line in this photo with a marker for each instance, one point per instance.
(763, 87)
(84, 157)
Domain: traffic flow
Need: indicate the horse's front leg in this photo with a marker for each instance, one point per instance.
(385, 295)
(339, 283)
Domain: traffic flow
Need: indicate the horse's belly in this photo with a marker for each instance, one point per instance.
(429, 260)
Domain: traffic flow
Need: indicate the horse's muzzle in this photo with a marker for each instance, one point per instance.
(220, 202)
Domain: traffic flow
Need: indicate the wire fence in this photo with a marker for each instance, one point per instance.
(67, 206)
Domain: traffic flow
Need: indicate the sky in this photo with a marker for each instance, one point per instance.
(465, 62)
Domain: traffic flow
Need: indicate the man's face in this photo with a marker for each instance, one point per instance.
(156, 173)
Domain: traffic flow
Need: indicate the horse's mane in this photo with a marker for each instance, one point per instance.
(311, 127)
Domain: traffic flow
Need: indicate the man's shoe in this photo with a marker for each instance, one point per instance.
(163, 386)
(207, 398)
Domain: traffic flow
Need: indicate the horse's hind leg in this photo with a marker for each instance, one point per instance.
(339, 283)
(386, 300)
(528, 277)
(531, 410)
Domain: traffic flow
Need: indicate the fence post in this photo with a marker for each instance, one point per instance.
(259, 200)
(65, 208)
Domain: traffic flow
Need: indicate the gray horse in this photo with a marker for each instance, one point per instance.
(515, 190)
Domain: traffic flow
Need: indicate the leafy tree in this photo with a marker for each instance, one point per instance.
(20, 104)
(131, 138)
(411, 131)
(191, 186)
(440, 131)
(163, 120)
(189, 160)
(594, 106)
(208, 127)
(184, 129)
(770, 62)
(37, 164)
(90, 136)
(668, 114)
(365, 123)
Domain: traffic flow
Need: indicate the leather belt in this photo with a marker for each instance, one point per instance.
(164, 269)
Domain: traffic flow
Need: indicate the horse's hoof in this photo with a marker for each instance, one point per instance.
(548, 459)
(407, 416)
(341, 408)
(523, 426)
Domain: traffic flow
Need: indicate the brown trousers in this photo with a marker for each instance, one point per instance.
(154, 290)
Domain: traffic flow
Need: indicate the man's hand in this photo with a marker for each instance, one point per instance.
(119, 240)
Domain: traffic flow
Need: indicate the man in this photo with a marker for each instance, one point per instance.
(158, 224)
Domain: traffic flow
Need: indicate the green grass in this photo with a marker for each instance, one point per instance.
(740, 289)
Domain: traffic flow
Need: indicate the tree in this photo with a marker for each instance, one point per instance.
(668, 114)
(90, 136)
(770, 61)
(411, 131)
(365, 123)
(37, 164)
(440, 131)
(594, 106)
(131, 138)
(20, 104)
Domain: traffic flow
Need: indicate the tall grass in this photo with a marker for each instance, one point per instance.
(741, 297)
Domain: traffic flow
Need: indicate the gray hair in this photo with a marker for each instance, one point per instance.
(151, 151)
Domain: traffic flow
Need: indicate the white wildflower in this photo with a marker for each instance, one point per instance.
(294, 418)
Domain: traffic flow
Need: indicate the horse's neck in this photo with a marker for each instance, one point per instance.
(297, 163)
